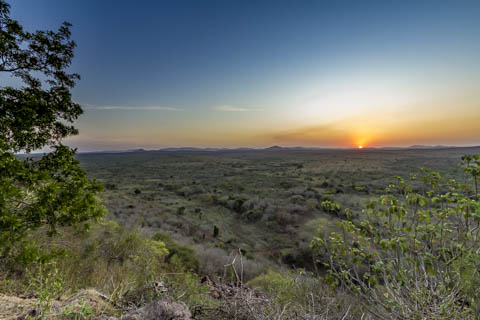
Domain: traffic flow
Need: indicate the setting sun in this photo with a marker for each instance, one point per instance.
(360, 147)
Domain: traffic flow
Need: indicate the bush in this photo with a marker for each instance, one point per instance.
(252, 216)
(281, 287)
(331, 207)
(298, 295)
(181, 255)
(187, 287)
(410, 253)
(216, 231)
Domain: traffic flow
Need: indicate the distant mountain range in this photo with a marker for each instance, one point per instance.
(272, 148)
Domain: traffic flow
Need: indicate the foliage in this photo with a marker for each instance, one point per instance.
(252, 216)
(330, 206)
(281, 286)
(53, 190)
(33, 116)
(84, 311)
(183, 255)
(127, 266)
(471, 164)
(160, 175)
(48, 284)
(286, 295)
(187, 287)
(410, 254)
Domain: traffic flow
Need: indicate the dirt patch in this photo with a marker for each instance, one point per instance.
(15, 308)
(83, 304)
(159, 310)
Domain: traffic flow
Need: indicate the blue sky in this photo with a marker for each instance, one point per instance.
(253, 73)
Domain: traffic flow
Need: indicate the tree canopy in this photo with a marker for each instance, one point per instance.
(39, 191)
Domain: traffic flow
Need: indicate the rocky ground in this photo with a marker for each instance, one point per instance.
(80, 305)
(91, 304)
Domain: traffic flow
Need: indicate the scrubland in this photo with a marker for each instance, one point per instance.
(265, 234)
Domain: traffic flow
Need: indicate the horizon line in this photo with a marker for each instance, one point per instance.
(273, 147)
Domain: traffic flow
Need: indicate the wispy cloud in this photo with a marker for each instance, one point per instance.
(233, 109)
(158, 108)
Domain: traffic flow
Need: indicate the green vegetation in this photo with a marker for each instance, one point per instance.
(182, 255)
(170, 243)
(54, 190)
(260, 201)
(414, 255)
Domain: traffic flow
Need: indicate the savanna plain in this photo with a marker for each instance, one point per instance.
(276, 233)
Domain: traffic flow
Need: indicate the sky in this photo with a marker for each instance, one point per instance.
(258, 73)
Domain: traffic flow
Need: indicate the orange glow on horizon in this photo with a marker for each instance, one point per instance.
(449, 122)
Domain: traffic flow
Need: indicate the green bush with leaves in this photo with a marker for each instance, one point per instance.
(188, 288)
(117, 261)
(471, 164)
(48, 284)
(181, 255)
(331, 207)
(282, 286)
(414, 255)
(52, 190)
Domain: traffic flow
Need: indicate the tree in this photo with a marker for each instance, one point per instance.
(413, 255)
(52, 190)
(216, 231)
(471, 164)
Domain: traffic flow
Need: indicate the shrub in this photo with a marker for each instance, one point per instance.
(297, 199)
(312, 203)
(410, 253)
(331, 207)
(181, 255)
(297, 295)
(279, 286)
(187, 287)
(216, 231)
(252, 216)
(110, 186)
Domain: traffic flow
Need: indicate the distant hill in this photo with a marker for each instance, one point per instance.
(274, 148)
(114, 151)
(173, 149)
(419, 146)
(190, 149)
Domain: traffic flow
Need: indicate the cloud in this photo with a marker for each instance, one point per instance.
(224, 108)
(386, 129)
(135, 108)
(231, 109)
(326, 135)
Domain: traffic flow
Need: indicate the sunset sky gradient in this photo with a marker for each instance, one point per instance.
(256, 73)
